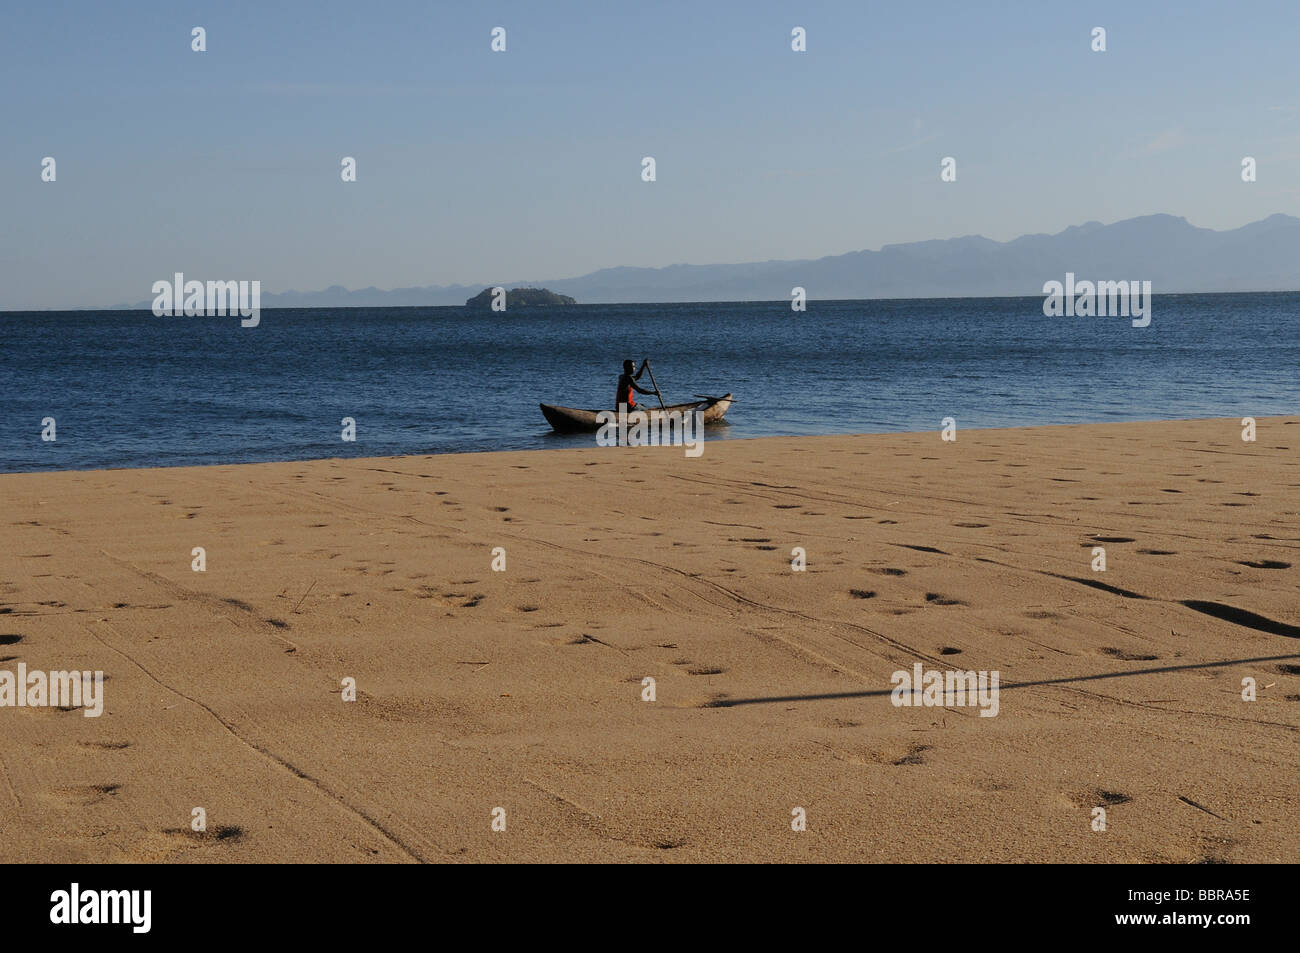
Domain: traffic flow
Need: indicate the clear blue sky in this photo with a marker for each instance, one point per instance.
(476, 166)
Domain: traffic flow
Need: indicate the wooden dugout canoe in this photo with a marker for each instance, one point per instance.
(572, 420)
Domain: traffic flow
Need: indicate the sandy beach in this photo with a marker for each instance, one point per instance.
(523, 689)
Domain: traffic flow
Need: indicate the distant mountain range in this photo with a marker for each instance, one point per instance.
(1170, 252)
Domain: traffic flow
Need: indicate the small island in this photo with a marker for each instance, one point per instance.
(519, 298)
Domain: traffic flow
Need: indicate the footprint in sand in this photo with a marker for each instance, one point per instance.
(214, 835)
(1095, 797)
(897, 757)
(456, 600)
(1126, 656)
(669, 843)
(942, 600)
(87, 795)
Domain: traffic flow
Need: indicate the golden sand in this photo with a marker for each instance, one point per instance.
(523, 689)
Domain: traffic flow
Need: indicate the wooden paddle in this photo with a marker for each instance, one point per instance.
(656, 386)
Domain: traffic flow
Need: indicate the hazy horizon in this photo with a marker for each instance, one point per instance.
(401, 294)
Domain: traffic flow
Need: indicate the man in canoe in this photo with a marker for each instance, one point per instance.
(627, 385)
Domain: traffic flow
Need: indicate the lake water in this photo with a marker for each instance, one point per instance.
(128, 389)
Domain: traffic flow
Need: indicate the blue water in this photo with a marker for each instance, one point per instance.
(128, 389)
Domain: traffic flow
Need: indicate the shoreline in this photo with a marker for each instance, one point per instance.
(523, 689)
(573, 444)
